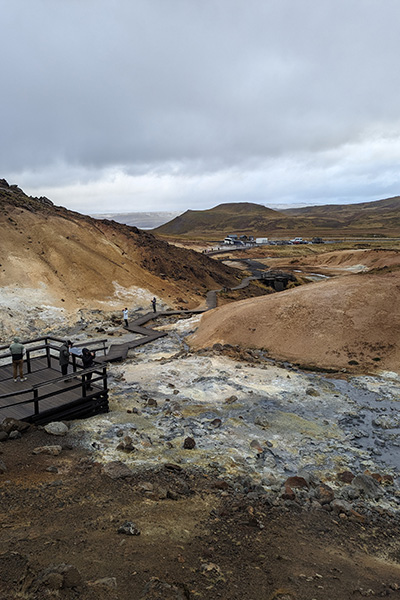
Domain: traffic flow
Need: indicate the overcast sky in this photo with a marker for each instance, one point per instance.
(130, 105)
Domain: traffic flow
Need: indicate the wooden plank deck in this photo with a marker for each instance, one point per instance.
(55, 394)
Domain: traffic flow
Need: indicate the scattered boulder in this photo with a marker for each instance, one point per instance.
(56, 428)
(287, 493)
(296, 482)
(215, 423)
(129, 528)
(15, 435)
(126, 445)
(3, 436)
(324, 494)
(189, 443)
(10, 424)
(367, 485)
(341, 506)
(3, 467)
(346, 476)
(117, 470)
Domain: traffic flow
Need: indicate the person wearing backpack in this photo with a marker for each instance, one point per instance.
(17, 353)
(88, 357)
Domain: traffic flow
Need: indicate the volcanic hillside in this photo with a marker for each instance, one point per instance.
(380, 218)
(348, 322)
(52, 256)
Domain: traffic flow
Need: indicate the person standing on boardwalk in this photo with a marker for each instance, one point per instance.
(17, 353)
(153, 302)
(87, 361)
(125, 314)
(64, 357)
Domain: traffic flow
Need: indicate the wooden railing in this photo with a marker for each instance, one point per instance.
(49, 348)
(36, 393)
(48, 344)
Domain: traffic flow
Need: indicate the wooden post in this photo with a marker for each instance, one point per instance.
(105, 378)
(28, 361)
(48, 354)
(36, 400)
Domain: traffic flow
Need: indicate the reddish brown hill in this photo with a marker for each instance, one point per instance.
(346, 322)
(73, 260)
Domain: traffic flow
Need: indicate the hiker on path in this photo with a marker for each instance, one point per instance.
(125, 314)
(17, 353)
(153, 302)
(64, 357)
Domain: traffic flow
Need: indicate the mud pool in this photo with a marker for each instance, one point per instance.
(259, 419)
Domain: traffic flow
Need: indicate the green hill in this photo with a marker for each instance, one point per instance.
(378, 218)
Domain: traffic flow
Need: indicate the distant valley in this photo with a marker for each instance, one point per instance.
(142, 220)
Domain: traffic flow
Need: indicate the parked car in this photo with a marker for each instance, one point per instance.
(317, 240)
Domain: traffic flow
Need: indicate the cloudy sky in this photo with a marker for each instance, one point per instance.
(153, 105)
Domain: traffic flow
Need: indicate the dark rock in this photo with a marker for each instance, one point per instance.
(367, 485)
(346, 476)
(3, 467)
(10, 424)
(129, 528)
(288, 493)
(15, 435)
(215, 423)
(3, 436)
(189, 443)
(117, 470)
(341, 506)
(296, 482)
(325, 494)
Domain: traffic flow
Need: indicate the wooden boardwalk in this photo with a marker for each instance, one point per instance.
(120, 351)
(46, 394)
(117, 352)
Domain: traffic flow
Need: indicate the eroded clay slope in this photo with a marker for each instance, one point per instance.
(347, 322)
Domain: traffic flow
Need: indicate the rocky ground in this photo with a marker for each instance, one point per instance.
(219, 474)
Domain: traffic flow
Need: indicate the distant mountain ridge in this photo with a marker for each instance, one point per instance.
(224, 217)
(377, 218)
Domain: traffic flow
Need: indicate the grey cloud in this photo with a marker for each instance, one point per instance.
(169, 87)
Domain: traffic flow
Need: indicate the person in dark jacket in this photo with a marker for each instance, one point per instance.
(17, 354)
(88, 361)
(154, 304)
(64, 357)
